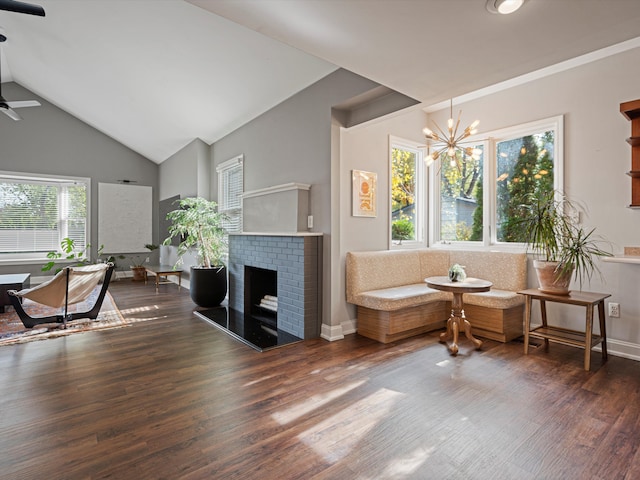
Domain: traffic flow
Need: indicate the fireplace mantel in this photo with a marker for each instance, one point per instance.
(280, 208)
(286, 187)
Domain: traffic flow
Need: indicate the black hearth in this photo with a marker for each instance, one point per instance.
(246, 328)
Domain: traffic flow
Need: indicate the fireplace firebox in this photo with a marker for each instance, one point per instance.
(261, 295)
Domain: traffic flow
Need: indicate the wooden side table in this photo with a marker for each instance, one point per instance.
(162, 271)
(457, 321)
(546, 332)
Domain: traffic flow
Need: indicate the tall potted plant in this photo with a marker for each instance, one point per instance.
(564, 248)
(198, 224)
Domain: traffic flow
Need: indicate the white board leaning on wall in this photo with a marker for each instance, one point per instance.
(125, 217)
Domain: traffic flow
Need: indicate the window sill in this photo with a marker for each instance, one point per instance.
(622, 259)
(23, 261)
(479, 247)
(33, 261)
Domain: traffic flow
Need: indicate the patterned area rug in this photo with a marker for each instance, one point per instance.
(12, 330)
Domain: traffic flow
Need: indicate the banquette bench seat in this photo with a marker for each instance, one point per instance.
(394, 302)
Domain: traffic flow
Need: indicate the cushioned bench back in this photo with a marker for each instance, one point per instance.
(434, 263)
(381, 269)
(507, 271)
(392, 268)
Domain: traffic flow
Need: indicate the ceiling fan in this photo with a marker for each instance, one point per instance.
(21, 7)
(8, 107)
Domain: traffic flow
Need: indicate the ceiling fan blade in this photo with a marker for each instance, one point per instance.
(10, 113)
(21, 7)
(23, 103)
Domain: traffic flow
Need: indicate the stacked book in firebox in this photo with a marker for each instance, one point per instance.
(269, 302)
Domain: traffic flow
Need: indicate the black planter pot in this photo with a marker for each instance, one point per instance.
(208, 286)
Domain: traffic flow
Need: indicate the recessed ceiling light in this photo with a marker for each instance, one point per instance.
(504, 6)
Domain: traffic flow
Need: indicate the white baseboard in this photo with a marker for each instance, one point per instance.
(349, 327)
(620, 348)
(331, 332)
(337, 332)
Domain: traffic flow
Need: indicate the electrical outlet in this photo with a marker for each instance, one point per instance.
(310, 221)
(614, 310)
(147, 259)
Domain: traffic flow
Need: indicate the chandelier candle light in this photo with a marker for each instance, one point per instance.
(451, 144)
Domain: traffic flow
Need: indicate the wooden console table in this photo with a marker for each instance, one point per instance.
(162, 271)
(457, 321)
(586, 339)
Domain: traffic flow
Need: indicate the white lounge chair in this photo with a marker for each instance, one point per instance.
(69, 286)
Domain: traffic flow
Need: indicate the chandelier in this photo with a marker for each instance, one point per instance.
(450, 144)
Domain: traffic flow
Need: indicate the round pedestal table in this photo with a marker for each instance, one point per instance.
(457, 320)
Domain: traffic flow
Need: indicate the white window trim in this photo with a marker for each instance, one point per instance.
(220, 170)
(421, 194)
(490, 139)
(37, 258)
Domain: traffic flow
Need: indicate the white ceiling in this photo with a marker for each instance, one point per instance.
(155, 74)
(152, 74)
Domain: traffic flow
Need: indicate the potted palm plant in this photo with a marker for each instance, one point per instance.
(137, 265)
(563, 247)
(198, 225)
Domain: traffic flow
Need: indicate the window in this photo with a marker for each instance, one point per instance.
(524, 167)
(479, 200)
(461, 190)
(230, 188)
(407, 192)
(36, 213)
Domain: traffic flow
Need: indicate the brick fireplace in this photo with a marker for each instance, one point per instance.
(296, 260)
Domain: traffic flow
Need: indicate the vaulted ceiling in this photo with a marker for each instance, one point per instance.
(155, 74)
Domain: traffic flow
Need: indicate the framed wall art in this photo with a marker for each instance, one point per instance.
(364, 193)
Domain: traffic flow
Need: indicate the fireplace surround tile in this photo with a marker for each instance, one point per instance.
(297, 259)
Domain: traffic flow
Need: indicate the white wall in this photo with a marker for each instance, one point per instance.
(596, 159)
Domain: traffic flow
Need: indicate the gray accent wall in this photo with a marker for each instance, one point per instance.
(50, 141)
(292, 143)
(186, 172)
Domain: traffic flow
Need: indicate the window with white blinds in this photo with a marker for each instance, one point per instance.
(230, 188)
(36, 213)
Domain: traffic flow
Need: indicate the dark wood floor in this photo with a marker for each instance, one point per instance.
(175, 398)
